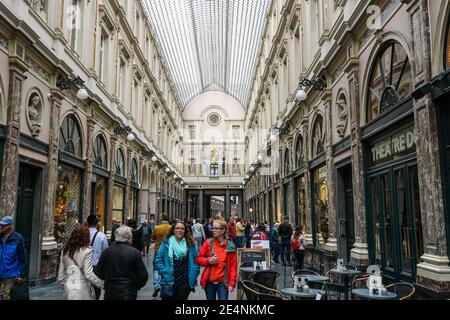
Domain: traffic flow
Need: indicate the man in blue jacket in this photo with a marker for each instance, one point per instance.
(12, 257)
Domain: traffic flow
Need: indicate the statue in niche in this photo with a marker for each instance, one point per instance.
(34, 114)
(213, 156)
(342, 116)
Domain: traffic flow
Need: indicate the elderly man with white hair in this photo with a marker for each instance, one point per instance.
(122, 268)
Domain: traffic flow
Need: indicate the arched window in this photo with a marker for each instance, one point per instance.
(134, 171)
(318, 137)
(70, 136)
(299, 154)
(99, 152)
(287, 163)
(390, 80)
(120, 163)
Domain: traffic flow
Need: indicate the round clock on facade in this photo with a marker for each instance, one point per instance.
(214, 119)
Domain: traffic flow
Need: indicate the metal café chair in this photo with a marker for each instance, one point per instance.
(338, 285)
(404, 291)
(311, 284)
(256, 291)
(267, 278)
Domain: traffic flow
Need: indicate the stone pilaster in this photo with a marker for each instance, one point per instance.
(200, 204)
(331, 243)
(292, 199)
(126, 202)
(112, 173)
(433, 271)
(10, 170)
(50, 253)
(359, 254)
(227, 203)
(87, 190)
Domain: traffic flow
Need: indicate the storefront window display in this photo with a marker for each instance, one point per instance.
(100, 201)
(321, 203)
(67, 204)
(117, 203)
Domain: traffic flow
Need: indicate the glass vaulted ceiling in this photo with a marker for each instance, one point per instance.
(207, 42)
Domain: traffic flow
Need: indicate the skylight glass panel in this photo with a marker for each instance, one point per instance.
(205, 42)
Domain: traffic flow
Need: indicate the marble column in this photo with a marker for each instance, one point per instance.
(89, 165)
(49, 252)
(433, 271)
(112, 174)
(200, 205)
(308, 201)
(331, 243)
(359, 254)
(10, 170)
(126, 200)
(227, 204)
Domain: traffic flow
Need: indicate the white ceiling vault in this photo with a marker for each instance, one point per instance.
(209, 42)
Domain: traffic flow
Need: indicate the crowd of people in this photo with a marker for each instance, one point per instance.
(88, 263)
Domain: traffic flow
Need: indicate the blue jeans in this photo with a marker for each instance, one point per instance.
(240, 242)
(212, 290)
(156, 278)
(286, 250)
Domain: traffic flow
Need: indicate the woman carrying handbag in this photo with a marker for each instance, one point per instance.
(175, 262)
(75, 267)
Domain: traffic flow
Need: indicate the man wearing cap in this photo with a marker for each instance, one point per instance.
(12, 257)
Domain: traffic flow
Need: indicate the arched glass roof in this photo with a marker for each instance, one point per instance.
(207, 42)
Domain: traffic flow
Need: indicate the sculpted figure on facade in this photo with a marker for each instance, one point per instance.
(34, 111)
(342, 114)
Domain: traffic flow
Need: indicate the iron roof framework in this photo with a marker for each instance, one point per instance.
(206, 42)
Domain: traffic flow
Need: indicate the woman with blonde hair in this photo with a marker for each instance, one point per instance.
(218, 256)
(75, 267)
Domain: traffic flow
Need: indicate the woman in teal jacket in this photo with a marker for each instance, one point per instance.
(175, 262)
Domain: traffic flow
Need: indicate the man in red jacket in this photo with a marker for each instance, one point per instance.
(218, 256)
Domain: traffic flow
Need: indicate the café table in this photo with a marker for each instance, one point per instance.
(364, 293)
(294, 294)
(346, 274)
(313, 278)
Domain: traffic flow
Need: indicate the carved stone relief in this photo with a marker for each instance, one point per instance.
(34, 113)
(342, 113)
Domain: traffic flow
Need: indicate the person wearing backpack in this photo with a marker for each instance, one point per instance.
(218, 256)
(98, 242)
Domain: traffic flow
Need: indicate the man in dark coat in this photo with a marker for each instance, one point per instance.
(137, 235)
(285, 232)
(122, 268)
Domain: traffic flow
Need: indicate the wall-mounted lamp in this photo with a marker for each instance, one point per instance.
(64, 83)
(250, 210)
(247, 177)
(260, 157)
(252, 169)
(120, 130)
(318, 84)
(146, 153)
(273, 138)
(154, 159)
